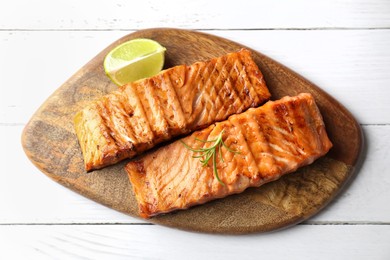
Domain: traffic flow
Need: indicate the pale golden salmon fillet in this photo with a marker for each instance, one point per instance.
(267, 142)
(177, 101)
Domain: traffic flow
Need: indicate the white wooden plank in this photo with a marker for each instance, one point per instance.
(351, 65)
(154, 242)
(201, 14)
(28, 196)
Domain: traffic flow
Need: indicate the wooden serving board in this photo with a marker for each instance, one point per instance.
(51, 144)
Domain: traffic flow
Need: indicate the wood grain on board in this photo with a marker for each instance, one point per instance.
(51, 144)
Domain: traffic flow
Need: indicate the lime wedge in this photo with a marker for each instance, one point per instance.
(133, 60)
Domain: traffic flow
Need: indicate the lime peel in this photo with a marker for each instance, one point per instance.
(125, 63)
(134, 60)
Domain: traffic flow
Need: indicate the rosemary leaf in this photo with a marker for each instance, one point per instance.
(211, 152)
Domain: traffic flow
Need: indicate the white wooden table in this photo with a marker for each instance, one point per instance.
(342, 46)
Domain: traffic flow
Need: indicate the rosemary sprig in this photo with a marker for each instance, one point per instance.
(205, 154)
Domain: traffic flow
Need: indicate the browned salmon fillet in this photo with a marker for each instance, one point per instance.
(266, 142)
(177, 101)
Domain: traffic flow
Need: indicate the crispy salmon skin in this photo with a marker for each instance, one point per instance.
(177, 101)
(268, 141)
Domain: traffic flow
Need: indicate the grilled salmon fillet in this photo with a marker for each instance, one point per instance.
(177, 101)
(267, 142)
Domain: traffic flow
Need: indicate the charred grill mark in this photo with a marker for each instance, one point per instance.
(299, 119)
(142, 113)
(229, 66)
(291, 120)
(249, 75)
(147, 102)
(264, 135)
(166, 104)
(298, 122)
(156, 109)
(196, 93)
(275, 137)
(285, 122)
(193, 90)
(317, 122)
(210, 88)
(255, 78)
(106, 129)
(242, 80)
(172, 87)
(240, 86)
(127, 114)
(290, 144)
(203, 96)
(120, 119)
(219, 87)
(248, 88)
(205, 92)
(281, 113)
(143, 95)
(241, 72)
(233, 75)
(172, 99)
(309, 122)
(241, 128)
